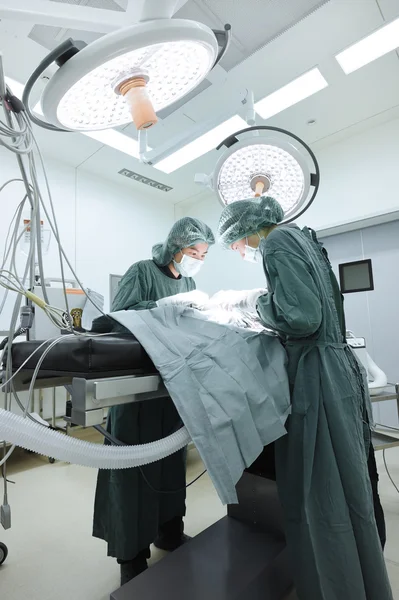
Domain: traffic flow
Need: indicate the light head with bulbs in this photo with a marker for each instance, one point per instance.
(130, 74)
(133, 73)
(265, 160)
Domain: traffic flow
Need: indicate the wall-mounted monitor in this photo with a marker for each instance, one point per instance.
(356, 276)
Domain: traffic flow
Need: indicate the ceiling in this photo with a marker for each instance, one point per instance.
(273, 42)
(249, 34)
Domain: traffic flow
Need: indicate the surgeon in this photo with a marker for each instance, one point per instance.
(322, 463)
(137, 507)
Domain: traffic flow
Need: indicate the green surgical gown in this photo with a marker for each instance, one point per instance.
(127, 513)
(321, 465)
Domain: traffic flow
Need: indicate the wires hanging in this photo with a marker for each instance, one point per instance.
(16, 135)
(386, 466)
(388, 473)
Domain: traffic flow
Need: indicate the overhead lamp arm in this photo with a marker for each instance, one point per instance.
(59, 55)
(232, 106)
(156, 9)
(223, 37)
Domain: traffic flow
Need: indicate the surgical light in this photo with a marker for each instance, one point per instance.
(370, 48)
(95, 97)
(300, 88)
(264, 160)
(261, 168)
(130, 74)
(200, 146)
(109, 137)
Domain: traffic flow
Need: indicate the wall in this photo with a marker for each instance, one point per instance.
(374, 315)
(104, 228)
(115, 229)
(358, 178)
(61, 179)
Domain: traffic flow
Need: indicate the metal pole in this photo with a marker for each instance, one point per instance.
(68, 397)
(3, 93)
(4, 474)
(32, 402)
(397, 397)
(53, 420)
(41, 403)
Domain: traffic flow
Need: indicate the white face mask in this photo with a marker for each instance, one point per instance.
(252, 255)
(189, 266)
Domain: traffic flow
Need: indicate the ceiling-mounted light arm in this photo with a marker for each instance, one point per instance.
(249, 114)
(231, 108)
(143, 144)
(249, 103)
(230, 141)
(60, 55)
(223, 37)
(156, 9)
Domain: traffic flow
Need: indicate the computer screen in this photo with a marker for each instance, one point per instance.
(356, 276)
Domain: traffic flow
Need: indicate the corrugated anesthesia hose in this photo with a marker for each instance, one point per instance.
(32, 436)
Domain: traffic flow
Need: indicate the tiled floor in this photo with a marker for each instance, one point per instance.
(52, 555)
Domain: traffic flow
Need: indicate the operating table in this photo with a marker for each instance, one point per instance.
(243, 555)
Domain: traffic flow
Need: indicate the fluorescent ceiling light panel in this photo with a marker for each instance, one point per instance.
(115, 139)
(203, 144)
(304, 86)
(109, 137)
(374, 46)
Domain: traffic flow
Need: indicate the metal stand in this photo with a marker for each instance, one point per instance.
(90, 398)
(241, 557)
(381, 440)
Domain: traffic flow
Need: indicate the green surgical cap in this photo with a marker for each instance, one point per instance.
(246, 217)
(185, 233)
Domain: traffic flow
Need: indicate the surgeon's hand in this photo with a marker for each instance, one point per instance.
(244, 300)
(194, 299)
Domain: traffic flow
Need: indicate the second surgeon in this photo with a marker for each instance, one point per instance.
(131, 511)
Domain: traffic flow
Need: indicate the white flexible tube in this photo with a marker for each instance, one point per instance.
(379, 379)
(32, 436)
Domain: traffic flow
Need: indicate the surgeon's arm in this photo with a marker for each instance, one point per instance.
(294, 307)
(134, 291)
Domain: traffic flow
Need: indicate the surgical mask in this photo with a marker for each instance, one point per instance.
(252, 255)
(189, 266)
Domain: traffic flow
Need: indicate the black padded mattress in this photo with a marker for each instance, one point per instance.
(83, 356)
